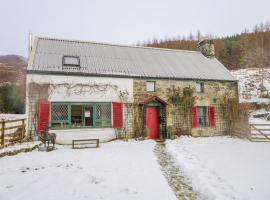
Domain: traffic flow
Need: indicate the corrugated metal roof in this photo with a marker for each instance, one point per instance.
(108, 59)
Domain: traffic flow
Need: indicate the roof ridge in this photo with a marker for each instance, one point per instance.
(119, 45)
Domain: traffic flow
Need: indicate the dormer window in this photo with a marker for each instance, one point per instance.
(71, 61)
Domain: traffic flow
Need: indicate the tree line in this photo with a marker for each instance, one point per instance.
(248, 49)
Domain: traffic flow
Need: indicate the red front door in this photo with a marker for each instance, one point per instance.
(152, 122)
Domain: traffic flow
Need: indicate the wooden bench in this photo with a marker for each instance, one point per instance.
(83, 142)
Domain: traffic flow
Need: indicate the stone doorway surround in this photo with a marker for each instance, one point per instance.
(155, 101)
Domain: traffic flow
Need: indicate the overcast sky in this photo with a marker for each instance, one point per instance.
(123, 21)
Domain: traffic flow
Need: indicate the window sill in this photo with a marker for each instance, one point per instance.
(84, 127)
(203, 127)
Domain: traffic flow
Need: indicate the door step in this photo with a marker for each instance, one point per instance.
(160, 141)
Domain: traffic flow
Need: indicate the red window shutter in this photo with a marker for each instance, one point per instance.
(194, 113)
(211, 116)
(117, 115)
(43, 115)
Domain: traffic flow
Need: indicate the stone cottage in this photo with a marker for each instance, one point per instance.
(84, 89)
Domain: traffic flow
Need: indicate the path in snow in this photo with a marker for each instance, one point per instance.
(173, 175)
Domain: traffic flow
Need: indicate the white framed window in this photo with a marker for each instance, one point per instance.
(200, 87)
(150, 86)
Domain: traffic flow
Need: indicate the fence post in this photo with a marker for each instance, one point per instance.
(23, 130)
(3, 133)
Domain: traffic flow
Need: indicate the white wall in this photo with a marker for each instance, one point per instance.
(61, 93)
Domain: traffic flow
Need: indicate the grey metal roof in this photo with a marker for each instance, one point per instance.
(110, 60)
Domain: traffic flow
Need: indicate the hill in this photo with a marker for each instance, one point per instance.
(13, 69)
(245, 50)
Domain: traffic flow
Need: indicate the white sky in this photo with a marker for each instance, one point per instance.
(123, 21)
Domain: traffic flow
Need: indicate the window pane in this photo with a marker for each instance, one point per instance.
(103, 123)
(76, 115)
(199, 87)
(69, 60)
(59, 112)
(60, 124)
(202, 116)
(150, 86)
(88, 115)
(103, 111)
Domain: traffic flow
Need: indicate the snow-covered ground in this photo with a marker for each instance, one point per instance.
(19, 146)
(115, 171)
(12, 116)
(249, 81)
(223, 167)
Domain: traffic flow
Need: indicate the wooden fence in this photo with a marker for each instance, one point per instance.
(259, 133)
(11, 131)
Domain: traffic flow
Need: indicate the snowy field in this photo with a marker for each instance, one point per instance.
(115, 171)
(223, 167)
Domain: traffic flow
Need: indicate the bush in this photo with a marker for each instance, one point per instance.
(11, 99)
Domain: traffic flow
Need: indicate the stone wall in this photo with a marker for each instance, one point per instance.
(213, 93)
(34, 93)
(133, 115)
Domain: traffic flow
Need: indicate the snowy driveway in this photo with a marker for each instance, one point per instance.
(118, 170)
(223, 167)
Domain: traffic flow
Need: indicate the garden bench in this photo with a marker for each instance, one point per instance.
(84, 142)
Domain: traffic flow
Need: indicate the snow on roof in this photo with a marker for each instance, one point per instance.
(110, 59)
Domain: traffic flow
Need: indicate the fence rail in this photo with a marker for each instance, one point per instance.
(259, 133)
(11, 132)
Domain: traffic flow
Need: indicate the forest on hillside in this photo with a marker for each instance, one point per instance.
(246, 50)
(12, 84)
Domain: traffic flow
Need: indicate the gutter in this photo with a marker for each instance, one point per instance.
(120, 76)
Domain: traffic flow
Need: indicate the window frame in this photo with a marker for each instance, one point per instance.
(201, 87)
(95, 120)
(205, 116)
(70, 65)
(154, 86)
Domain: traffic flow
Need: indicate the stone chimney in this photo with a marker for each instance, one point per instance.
(207, 47)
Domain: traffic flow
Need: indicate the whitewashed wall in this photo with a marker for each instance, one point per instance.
(62, 94)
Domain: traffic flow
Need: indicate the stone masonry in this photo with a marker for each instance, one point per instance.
(213, 93)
